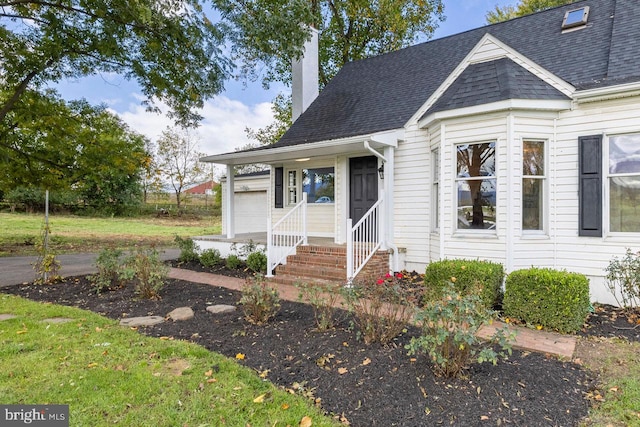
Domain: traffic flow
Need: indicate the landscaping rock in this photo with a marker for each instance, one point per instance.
(181, 313)
(221, 308)
(7, 316)
(141, 321)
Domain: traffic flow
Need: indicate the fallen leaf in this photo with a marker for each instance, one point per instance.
(305, 421)
(284, 406)
(264, 373)
(539, 327)
(212, 380)
(413, 359)
(484, 418)
(208, 373)
(613, 389)
(259, 399)
(98, 329)
(366, 361)
(240, 356)
(21, 332)
(342, 371)
(92, 365)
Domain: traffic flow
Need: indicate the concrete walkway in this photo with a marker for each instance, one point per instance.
(526, 339)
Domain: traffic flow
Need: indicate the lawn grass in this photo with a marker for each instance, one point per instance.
(110, 374)
(20, 232)
(617, 398)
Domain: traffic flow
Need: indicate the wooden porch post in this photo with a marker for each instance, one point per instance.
(229, 204)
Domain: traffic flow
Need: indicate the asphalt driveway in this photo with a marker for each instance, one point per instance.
(14, 270)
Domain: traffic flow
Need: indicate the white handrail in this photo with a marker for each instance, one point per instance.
(364, 239)
(286, 234)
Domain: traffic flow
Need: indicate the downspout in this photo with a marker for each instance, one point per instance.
(386, 242)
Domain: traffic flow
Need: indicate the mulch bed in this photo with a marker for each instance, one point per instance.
(377, 385)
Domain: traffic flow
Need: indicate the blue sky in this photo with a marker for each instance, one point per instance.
(240, 105)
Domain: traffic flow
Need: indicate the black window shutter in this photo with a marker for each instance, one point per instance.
(590, 185)
(279, 188)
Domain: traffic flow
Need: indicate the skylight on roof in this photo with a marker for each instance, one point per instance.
(575, 18)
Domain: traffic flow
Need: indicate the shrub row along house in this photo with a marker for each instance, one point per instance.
(517, 142)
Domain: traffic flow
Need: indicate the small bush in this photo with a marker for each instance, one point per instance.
(381, 309)
(550, 298)
(623, 279)
(109, 265)
(323, 299)
(468, 276)
(259, 301)
(449, 328)
(243, 251)
(257, 262)
(147, 272)
(210, 258)
(188, 249)
(233, 262)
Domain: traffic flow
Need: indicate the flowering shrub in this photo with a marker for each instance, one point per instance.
(449, 328)
(146, 271)
(259, 301)
(623, 279)
(381, 309)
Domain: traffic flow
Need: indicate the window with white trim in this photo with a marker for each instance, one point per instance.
(318, 183)
(476, 186)
(533, 184)
(292, 187)
(624, 183)
(435, 188)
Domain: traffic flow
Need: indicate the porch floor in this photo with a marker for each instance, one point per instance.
(261, 238)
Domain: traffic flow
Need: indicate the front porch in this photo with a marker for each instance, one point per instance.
(320, 260)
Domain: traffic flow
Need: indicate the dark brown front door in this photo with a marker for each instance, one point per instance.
(363, 182)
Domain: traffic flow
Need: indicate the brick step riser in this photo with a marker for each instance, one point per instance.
(319, 250)
(294, 280)
(317, 260)
(306, 271)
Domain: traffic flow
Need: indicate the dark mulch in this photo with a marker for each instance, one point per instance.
(378, 385)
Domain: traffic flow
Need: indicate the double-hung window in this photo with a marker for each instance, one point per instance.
(476, 186)
(318, 183)
(533, 183)
(624, 183)
(435, 188)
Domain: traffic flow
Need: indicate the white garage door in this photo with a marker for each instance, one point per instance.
(251, 211)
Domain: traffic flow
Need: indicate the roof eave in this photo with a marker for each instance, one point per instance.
(506, 105)
(316, 149)
(607, 92)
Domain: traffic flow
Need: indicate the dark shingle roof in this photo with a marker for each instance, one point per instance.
(491, 82)
(383, 92)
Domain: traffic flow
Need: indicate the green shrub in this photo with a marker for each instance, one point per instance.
(323, 298)
(257, 262)
(469, 276)
(210, 257)
(188, 249)
(449, 328)
(259, 301)
(623, 279)
(147, 272)
(550, 298)
(109, 265)
(233, 262)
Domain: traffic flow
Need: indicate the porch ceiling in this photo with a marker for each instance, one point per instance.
(270, 155)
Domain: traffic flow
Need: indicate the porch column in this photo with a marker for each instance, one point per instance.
(229, 204)
(389, 183)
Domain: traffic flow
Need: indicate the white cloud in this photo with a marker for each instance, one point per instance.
(221, 130)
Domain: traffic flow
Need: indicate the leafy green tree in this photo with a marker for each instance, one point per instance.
(523, 7)
(179, 159)
(349, 30)
(71, 148)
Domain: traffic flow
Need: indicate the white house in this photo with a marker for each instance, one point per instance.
(517, 142)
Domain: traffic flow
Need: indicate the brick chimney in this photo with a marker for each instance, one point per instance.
(304, 81)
